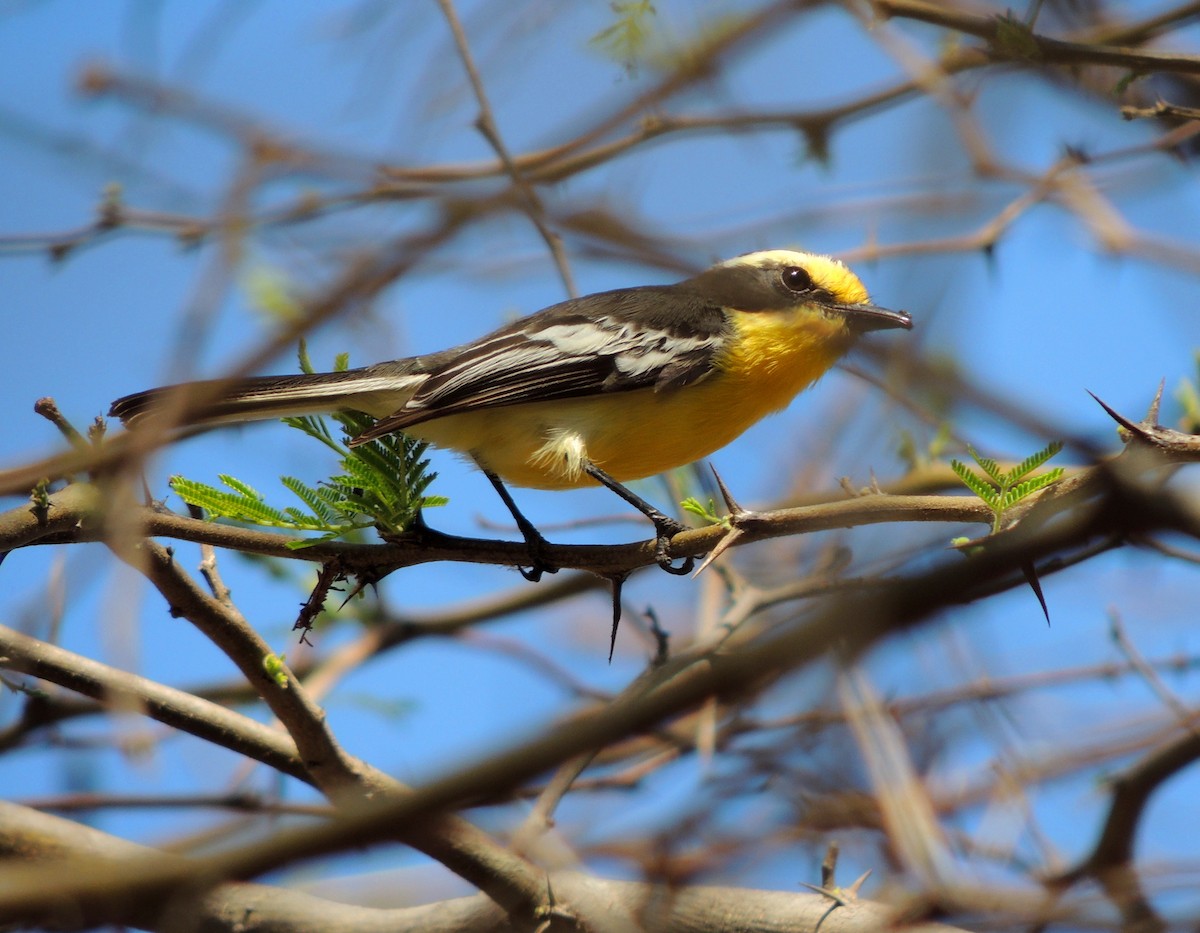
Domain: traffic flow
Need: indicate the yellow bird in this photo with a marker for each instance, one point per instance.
(606, 388)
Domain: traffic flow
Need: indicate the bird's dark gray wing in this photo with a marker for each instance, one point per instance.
(663, 337)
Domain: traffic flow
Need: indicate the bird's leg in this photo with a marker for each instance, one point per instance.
(665, 527)
(533, 538)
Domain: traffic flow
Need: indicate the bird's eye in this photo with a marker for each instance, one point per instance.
(796, 279)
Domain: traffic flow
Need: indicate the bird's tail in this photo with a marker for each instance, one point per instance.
(222, 401)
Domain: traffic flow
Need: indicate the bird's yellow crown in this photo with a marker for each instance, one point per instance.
(827, 273)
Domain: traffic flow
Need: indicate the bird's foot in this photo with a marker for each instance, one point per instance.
(539, 563)
(666, 528)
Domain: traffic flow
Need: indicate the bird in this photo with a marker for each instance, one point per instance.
(602, 389)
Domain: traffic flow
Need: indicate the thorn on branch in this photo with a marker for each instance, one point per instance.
(1144, 431)
(60, 250)
(1031, 577)
(858, 883)
(1156, 403)
(731, 503)
(738, 519)
(618, 582)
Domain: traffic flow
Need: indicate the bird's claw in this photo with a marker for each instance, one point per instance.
(665, 529)
(538, 563)
(533, 573)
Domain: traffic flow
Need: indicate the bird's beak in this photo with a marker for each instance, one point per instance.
(864, 318)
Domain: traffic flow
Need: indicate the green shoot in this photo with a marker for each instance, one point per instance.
(1188, 396)
(1002, 489)
(39, 500)
(706, 513)
(625, 40)
(913, 456)
(382, 484)
(274, 666)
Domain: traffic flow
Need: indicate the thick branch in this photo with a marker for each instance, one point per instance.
(175, 708)
(39, 838)
(72, 518)
(1035, 47)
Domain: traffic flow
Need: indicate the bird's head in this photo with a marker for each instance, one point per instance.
(778, 280)
(794, 314)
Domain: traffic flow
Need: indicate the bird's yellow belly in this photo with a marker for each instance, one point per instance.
(629, 435)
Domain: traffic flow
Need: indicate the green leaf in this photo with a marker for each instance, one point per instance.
(1125, 81)
(304, 359)
(268, 291)
(206, 497)
(707, 513)
(940, 439)
(319, 507)
(1032, 462)
(299, 544)
(1005, 492)
(976, 483)
(988, 465)
(906, 450)
(1026, 489)
(625, 40)
(1188, 396)
(240, 507)
(238, 486)
(315, 428)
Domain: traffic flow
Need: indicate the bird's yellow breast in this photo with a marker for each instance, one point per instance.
(635, 434)
(778, 354)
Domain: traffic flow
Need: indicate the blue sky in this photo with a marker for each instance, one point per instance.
(1050, 316)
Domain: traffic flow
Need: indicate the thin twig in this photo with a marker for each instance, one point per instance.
(486, 123)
